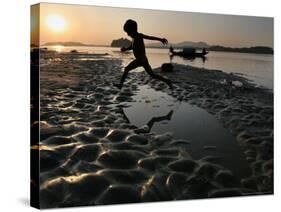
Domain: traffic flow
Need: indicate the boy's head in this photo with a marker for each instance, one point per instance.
(131, 27)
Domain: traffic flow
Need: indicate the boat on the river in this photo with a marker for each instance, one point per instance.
(188, 52)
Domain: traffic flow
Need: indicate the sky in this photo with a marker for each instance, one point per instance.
(101, 25)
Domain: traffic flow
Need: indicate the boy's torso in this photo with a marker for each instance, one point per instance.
(138, 46)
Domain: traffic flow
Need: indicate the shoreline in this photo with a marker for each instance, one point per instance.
(85, 136)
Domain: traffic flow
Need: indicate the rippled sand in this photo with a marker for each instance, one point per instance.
(91, 155)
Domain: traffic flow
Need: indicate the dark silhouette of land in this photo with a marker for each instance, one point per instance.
(202, 45)
(183, 44)
(69, 43)
(121, 42)
(254, 49)
(197, 45)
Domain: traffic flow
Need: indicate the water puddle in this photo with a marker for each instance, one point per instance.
(163, 113)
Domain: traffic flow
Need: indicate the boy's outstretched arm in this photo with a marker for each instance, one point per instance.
(162, 40)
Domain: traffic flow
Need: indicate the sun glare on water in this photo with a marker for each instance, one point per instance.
(58, 48)
(56, 23)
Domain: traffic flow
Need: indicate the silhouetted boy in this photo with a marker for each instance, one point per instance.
(139, 52)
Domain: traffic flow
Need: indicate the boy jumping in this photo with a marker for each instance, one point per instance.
(131, 28)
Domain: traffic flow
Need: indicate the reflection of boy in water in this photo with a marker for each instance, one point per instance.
(151, 122)
(139, 52)
(158, 119)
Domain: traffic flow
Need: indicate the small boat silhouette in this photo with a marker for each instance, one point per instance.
(188, 52)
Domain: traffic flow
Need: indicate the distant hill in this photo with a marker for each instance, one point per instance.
(121, 42)
(197, 45)
(66, 44)
(201, 45)
(254, 49)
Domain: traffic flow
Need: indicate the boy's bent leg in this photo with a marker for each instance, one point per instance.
(132, 65)
(148, 69)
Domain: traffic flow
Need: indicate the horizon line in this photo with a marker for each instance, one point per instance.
(108, 45)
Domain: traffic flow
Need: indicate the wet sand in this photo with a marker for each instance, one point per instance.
(246, 111)
(90, 153)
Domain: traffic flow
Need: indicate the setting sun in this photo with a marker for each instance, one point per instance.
(56, 22)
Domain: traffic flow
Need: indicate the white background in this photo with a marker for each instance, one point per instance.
(14, 103)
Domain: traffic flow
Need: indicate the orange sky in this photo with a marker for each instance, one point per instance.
(100, 25)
